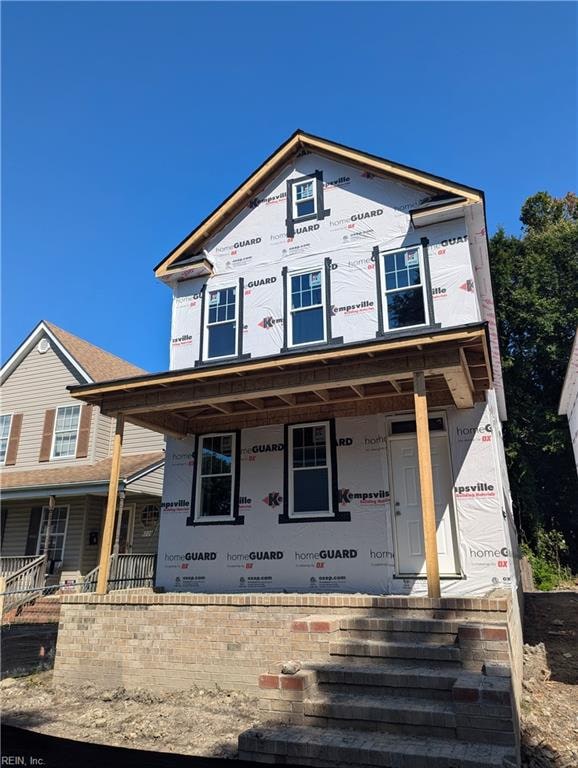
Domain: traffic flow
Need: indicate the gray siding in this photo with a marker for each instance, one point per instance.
(95, 506)
(37, 384)
(151, 484)
(144, 545)
(17, 521)
(139, 440)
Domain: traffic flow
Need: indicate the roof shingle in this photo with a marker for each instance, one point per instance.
(99, 364)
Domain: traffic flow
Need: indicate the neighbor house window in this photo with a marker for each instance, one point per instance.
(304, 199)
(307, 310)
(65, 431)
(215, 478)
(57, 534)
(309, 471)
(5, 422)
(404, 289)
(222, 323)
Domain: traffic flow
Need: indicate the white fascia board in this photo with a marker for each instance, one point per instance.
(74, 489)
(28, 344)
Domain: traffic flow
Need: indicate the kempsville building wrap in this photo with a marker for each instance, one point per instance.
(334, 402)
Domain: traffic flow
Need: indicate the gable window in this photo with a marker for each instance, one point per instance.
(306, 307)
(216, 477)
(304, 203)
(57, 534)
(5, 422)
(309, 471)
(222, 323)
(65, 431)
(404, 295)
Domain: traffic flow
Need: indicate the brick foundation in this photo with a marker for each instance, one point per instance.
(163, 641)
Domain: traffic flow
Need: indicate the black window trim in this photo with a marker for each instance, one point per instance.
(240, 355)
(394, 333)
(236, 518)
(330, 340)
(337, 514)
(320, 211)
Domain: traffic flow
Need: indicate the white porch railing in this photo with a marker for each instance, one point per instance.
(9, 565)
(23, 585)
(126, 572)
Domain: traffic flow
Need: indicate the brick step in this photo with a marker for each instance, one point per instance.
(401, 714)
(389, 678)
(395, 635)
(333, 748)
(389, 650)
(397, 624)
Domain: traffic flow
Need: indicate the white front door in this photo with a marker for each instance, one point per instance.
(407, 505)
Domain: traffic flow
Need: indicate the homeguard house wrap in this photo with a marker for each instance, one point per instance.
(335, 396)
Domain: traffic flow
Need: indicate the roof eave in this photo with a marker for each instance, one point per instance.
(247, 189)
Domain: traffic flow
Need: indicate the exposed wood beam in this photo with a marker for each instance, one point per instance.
(287, 382)
(165, 424)
(426, 486)
(289, 399)
(223, 407)
(395, 385)
(440, 341)
(321, 394)
(257, 403)
(459, 386)
(359, 389)
(110, 514)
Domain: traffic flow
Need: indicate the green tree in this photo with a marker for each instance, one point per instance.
(536, 294)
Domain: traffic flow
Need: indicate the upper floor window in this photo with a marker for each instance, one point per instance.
(222, 323)
(307, 307)
(305, 202)
(215, 486)
(404, 291)
(5, 422)
(65, 431)
(309, 471)
(304, 198)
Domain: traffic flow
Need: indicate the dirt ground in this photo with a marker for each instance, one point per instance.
(196, 722)
(206, 722)
(550, 695)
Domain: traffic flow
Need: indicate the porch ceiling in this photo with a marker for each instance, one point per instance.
(360, 379)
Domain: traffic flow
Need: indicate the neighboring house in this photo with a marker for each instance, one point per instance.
(330, 305)
(569, 398)
(52, 446)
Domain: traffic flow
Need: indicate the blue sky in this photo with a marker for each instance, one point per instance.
(125, 124)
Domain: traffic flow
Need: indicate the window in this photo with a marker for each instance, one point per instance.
(215, 477)
(408, 426)
(5, 422)
(405, 302)
(304, 199)
(307, 308)
(309, 471)
(222, 323)
(65, 431)
(57, 533)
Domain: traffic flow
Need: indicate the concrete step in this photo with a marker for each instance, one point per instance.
(399, 650)
(334, 748)
(399, 714)
(391, 677)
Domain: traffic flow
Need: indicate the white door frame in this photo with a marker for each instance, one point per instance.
(410, 416)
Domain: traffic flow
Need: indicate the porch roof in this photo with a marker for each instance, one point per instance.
(77, 478)
(349, 380)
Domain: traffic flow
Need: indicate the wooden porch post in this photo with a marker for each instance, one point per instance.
(426, 486)
(106, 545)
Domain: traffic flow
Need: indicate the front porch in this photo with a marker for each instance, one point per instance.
(414, 375)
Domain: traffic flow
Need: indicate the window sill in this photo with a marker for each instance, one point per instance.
(222, 361)
(340, 516)
(239, 520)
(413, 331)
(335, 342)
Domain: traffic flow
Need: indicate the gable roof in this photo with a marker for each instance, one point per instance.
(91, 362)
(298, 141)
